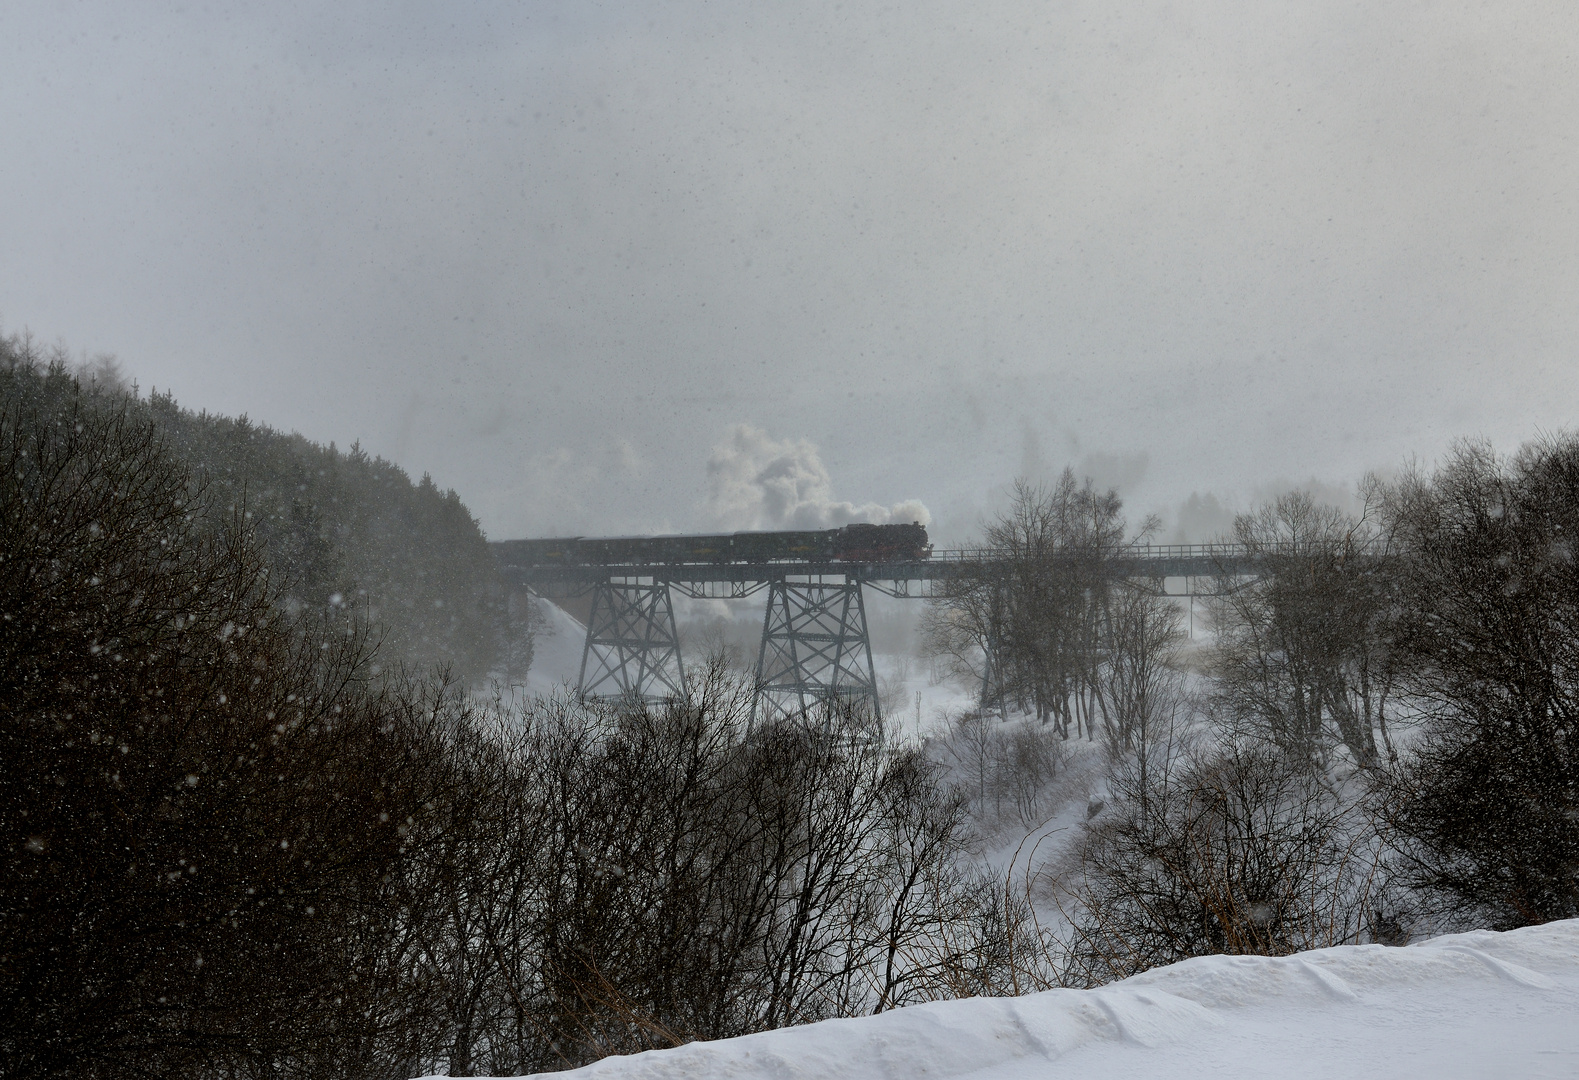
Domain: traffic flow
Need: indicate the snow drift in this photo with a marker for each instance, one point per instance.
(1466, 1005)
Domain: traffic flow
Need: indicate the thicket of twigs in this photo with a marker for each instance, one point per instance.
(1216, 848)
(627, 877)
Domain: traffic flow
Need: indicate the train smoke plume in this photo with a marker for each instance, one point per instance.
(758, 482)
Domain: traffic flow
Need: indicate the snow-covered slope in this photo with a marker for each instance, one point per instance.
(556, 658)
(1468, 1005)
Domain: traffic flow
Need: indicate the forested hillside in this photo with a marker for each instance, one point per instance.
(245, 832)
(338, 530)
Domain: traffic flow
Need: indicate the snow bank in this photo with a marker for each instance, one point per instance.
(1466, 1005)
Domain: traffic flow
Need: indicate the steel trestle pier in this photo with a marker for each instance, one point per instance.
(814, 648)
(633, 646)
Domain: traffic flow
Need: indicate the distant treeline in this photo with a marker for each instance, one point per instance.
(338, 530)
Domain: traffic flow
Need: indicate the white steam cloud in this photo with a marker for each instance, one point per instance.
(757, 482)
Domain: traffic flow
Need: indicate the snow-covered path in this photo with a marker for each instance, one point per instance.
(1468, 1005)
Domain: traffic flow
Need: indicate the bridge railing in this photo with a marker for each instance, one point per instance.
(1233, 550)
(1228, 556)
(1133, 551)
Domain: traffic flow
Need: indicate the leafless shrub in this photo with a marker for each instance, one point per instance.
(1007, 771)
(1209, 846)
(633, 876)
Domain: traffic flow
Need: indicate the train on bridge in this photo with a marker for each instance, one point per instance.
(849, 544)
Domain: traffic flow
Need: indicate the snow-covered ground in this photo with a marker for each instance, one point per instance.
(1467, 1005)
(918, 706)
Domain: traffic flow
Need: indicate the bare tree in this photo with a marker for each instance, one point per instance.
(1136, 684)
(1034, 617)
(1304, 654)
(1005, 772)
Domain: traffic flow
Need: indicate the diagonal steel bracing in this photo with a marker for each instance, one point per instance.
(814, 648)
(633, 648)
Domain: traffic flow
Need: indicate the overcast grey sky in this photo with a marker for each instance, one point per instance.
(556, 253)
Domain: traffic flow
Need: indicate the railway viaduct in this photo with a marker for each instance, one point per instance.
(814, 637)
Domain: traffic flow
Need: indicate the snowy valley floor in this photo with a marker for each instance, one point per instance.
(1468, 1005)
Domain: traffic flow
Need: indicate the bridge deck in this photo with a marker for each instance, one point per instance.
(1154, 561)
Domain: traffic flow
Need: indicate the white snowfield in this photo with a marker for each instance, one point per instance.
(1468, 1005)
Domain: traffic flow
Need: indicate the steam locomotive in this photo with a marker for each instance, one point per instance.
(852, 543)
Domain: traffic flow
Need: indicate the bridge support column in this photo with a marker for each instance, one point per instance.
(633, 648)
(814, 648)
